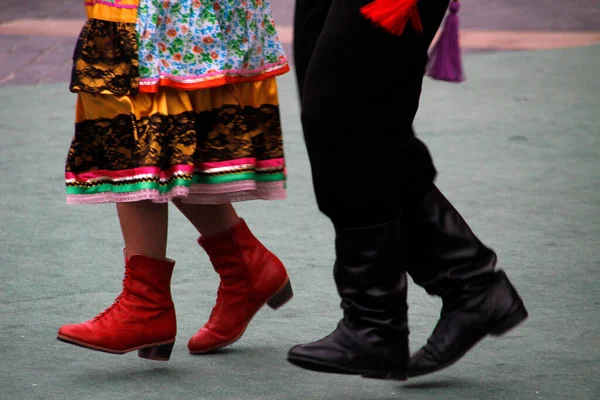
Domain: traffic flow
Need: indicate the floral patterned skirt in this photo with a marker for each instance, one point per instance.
(137, 46)
(206, 146)
(191, 44)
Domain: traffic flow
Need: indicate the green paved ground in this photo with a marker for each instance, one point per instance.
(518, 149)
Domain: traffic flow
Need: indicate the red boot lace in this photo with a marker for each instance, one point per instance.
(218, 303)
(126, 281)
(222, 293)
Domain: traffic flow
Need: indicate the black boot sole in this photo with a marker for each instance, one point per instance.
(329, 368)
(502, 327)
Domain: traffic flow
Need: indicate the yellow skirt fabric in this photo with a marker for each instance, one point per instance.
(206, 146)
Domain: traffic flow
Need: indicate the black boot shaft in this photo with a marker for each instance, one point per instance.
(372, 337)
(443, 254)
(369, 276)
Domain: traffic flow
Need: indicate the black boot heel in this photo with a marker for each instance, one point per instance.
(159, 353)
(284, 295)
(510, 322)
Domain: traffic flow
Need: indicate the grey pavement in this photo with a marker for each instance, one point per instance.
(17, 9)
(572, 15)
(517, 150)
(39, 60)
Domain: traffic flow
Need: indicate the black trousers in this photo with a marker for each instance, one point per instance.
(360, 88)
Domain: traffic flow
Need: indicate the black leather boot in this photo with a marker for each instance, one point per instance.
(372, 338)
(448, 260)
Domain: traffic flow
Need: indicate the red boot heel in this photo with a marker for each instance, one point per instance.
(161, 352)
(284, 295)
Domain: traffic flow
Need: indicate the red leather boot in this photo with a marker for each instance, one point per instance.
(141, 318)
(250, 277)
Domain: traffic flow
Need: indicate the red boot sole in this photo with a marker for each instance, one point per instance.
(160, 351)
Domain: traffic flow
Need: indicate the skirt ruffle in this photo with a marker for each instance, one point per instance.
(208, 146)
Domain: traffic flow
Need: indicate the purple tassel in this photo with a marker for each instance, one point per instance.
(445, 60)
